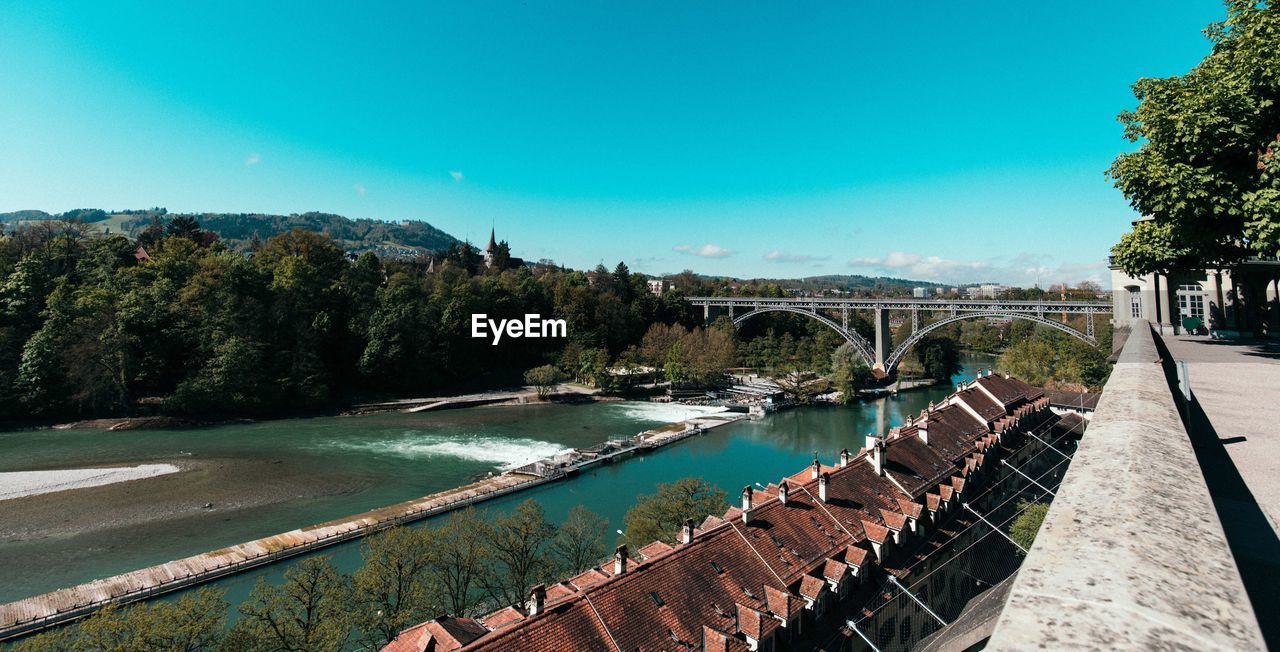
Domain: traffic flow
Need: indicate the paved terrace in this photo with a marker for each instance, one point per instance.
(1235, 426)
(1132, 554)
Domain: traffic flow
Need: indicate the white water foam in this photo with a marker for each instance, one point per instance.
(666, 412)
(506, 452)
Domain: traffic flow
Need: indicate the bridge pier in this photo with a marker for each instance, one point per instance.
(884, 338)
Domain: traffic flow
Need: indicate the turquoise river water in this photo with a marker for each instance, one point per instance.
(385, 458)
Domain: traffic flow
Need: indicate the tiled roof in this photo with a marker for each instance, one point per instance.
(834, 570)
(587, 578)
(855, 556)
(719, 568)
(736, 577)
(654, 549)
(1010, 391)
(876, 532)
(780, 602)
(811, 587)
(893, 520)
(792, 538)
(981, 403)
(559, 591)
(414, 639)
(916, 466)
(502, 617)
(571, 625)
(1084, 400)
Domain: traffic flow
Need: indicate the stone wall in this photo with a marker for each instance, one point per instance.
(1131, 554)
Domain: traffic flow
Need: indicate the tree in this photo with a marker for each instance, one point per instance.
(308, 613)
(194, 622)
(184, 226)
(462, 552)
(849, 372)
(393, 589)
(517, 553)
(938, 356)
(579, 543)
(1207, 169)
(1027, 524)
(543, 378)
(658, 516)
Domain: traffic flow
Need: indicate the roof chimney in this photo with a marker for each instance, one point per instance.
(537, 599)
(783, 489)
(746, 504)
(877, 456)
(922, 430)
(844, 457)
(822, 486)
(686, 532)
(815, 469)
(871, 441)
(620, 560)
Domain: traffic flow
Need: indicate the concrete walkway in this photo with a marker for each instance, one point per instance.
(1235, 428)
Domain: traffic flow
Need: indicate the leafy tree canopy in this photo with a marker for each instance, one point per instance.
(1207, 168)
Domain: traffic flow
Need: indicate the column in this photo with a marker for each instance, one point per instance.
(884, 338)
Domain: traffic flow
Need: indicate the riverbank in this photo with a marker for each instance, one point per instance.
(17, 484)
(40, 611)
(194, 491)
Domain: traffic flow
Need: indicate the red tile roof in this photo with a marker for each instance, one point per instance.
(654, 549)
(812, 587)
(502, 617)
(781, 602)
(587, 578)
(834, 570)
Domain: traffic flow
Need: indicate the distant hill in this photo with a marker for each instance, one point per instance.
(24, 216)
(400, 239)
(850, 281)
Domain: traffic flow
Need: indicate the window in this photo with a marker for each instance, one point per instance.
(1135, 302)
(656, 598)
(904, 630)
(1191, 301)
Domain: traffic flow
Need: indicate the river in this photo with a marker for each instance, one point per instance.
(345, 465)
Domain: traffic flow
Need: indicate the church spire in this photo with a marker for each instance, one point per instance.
(492, 244)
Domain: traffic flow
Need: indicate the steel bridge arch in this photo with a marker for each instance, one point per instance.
(901, 350)
(860, 343)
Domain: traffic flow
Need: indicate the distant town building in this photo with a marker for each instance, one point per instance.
(491, 250)
(920, 293)
(797, 560)
(1221, 301)
(659, 285)
(985, 291)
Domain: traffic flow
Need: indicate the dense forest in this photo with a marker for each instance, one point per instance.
(176, 322)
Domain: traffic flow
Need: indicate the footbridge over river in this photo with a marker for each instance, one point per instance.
(927, 315)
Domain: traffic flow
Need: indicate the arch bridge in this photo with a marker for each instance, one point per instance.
(880, 354)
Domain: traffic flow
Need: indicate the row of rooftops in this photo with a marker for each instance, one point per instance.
(733, 580)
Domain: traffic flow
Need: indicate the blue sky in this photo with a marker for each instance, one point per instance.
(947, 141)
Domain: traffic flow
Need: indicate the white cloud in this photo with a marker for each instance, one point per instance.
(252, 160)
(360, 189)
(457, 175)
(705, 251)
(1025, 269)
(777, 256)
